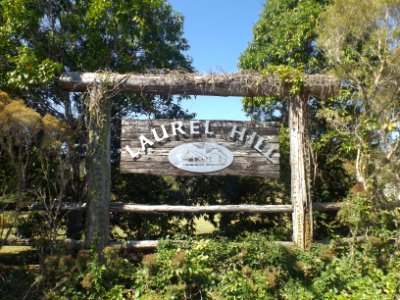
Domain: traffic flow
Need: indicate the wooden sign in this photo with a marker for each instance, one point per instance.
(200, 147)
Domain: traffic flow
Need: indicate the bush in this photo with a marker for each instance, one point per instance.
(250, 267)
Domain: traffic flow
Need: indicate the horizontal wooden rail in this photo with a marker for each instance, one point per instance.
(151, 244)
(132, 245)
(177, 83)
(76, 244)
(141, 244)
(327, 206)
(136, 245)
(70, 243)
(66, 206)
(155, 209)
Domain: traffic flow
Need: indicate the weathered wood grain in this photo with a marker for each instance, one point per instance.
(155, 209)
(141, 208)
(300, 164)
(137, 208)
(247, 160)
(176, 83)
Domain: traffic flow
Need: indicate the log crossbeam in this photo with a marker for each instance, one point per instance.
(176, 83)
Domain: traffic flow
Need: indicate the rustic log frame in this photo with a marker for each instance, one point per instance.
(157, 209)
(300, 166)
(248, 84)
(99, 167)
(175, 83)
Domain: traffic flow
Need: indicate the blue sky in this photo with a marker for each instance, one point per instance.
(218, 31)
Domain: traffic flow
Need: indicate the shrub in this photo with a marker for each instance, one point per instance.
(250, 267)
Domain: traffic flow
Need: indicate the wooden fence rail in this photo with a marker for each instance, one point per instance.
(155, 209)
(138, 245)
(130, 245)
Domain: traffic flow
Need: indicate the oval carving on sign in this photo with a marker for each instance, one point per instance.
(200, 157)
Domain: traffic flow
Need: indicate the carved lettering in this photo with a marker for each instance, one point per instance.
(165, 134)
(240, 133)
(270, 152)
(194, 127)
(145, 141)
(251, 138)
(177, 126)
(207, 128)
(259, 143)
(132, 154)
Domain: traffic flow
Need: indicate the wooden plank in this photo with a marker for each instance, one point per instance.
(166, 146)
(216, 126)
(254, 145)
(178, 83)
(226, 172)
(241, 157)
(154, 167)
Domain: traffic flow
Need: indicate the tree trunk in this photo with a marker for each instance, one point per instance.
(99, 169)
(300, 156)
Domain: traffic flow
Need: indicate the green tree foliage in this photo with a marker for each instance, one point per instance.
(361, 42)
(363, 50)
(40, 39)
(89, 36)
(284, 35)
(284, 42)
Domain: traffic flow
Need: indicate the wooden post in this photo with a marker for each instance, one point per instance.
(300, 172)
(99, 168)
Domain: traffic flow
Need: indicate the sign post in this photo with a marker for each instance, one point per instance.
(254, 153)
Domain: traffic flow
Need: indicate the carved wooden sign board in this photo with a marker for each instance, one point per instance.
(200, 147)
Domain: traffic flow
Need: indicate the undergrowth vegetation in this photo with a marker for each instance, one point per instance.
(250, 267)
